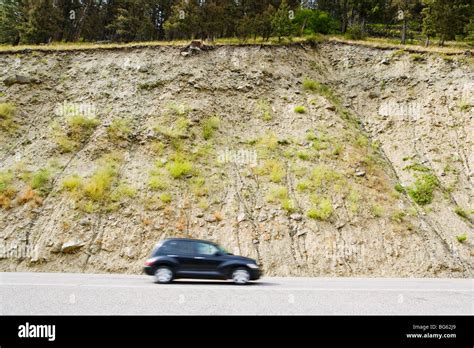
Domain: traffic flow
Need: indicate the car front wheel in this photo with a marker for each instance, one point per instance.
(163, 275)
(240, 276)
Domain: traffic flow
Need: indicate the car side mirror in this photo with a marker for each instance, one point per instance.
(218, 253)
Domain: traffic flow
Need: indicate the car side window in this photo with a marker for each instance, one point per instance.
(206, 249)
(176, 247)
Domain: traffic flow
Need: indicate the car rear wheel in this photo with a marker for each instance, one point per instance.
(240, 276)
(164, 274)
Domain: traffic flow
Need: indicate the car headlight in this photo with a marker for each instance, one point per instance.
(252, 265)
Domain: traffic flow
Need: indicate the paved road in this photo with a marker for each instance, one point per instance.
(63, 293)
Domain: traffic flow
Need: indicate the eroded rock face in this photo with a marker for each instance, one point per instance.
(306, 194)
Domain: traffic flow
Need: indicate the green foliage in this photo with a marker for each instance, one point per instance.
(179, 168)
(209, 126)
(281, 23)
(322, 211)
(300, 109)
(166, 197)
(399, 188)
(308, 22)
(7, 112)
(119, 129)
(6, 178)
(423, 190)
(461, 212)
(462, 238)
(265, 110)
(417, 167)
(355, 33)
(96, 192)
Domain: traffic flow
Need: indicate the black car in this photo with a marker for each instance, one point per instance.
(190, 258)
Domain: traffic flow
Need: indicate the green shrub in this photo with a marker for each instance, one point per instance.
(123, 190)
(288, 205)
(265, 110)
(399, 188)
(417, 57)
(323, 175)
(277, 193)
(165, 197)
(461, 212)
(73, 182)
(300, 109)
(119, 129)
(179, 168)
(355, 33)
(6, 178)
(322, 211)
(209, 126)
(423, 190)
(417, 167)
(303, 155)
(40, 179)
(7, 112)
(462, 238)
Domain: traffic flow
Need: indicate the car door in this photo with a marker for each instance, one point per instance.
(183, 252)
(206, 259)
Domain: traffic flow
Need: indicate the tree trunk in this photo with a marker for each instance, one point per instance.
(80, 23)
(427, 41)
(344, 17)
(404, 31)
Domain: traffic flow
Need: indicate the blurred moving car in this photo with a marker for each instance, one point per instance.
(189, 258)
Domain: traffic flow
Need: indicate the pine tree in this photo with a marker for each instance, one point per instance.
(281, 23)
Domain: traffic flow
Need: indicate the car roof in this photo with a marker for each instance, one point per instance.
(188, 240)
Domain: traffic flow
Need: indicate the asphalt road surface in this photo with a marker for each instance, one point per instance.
(100, 294)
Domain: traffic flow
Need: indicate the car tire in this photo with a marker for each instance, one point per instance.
(164, 275)
(240, 276)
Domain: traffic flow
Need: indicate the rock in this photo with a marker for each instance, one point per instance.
(262, 217)
(19, 79)
(301, 233)
(374, 95)
(71, 246)
(143, 69)
(210, 218)
(255, 241)
(200, 214)
(85, 222)
(360, 173)
(330, 107)
(241, 217)
(185, 54)
(385, 61)
(296, 217)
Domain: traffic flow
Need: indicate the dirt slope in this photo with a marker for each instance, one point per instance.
(211, 146)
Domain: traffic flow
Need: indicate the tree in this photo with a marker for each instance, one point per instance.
(281, 23)
(43, 21)
(12, 18)
(428, 25)
(405, 13)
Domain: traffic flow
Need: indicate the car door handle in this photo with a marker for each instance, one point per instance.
(198, 257)
(172, 255)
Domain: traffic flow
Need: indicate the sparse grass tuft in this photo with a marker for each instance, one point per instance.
(322, 211)
(462, 238)
(299, 109)
(119, 130)
(179, 168)
(166, 197)
(461, 212)
(7, 112)
(209, 126)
